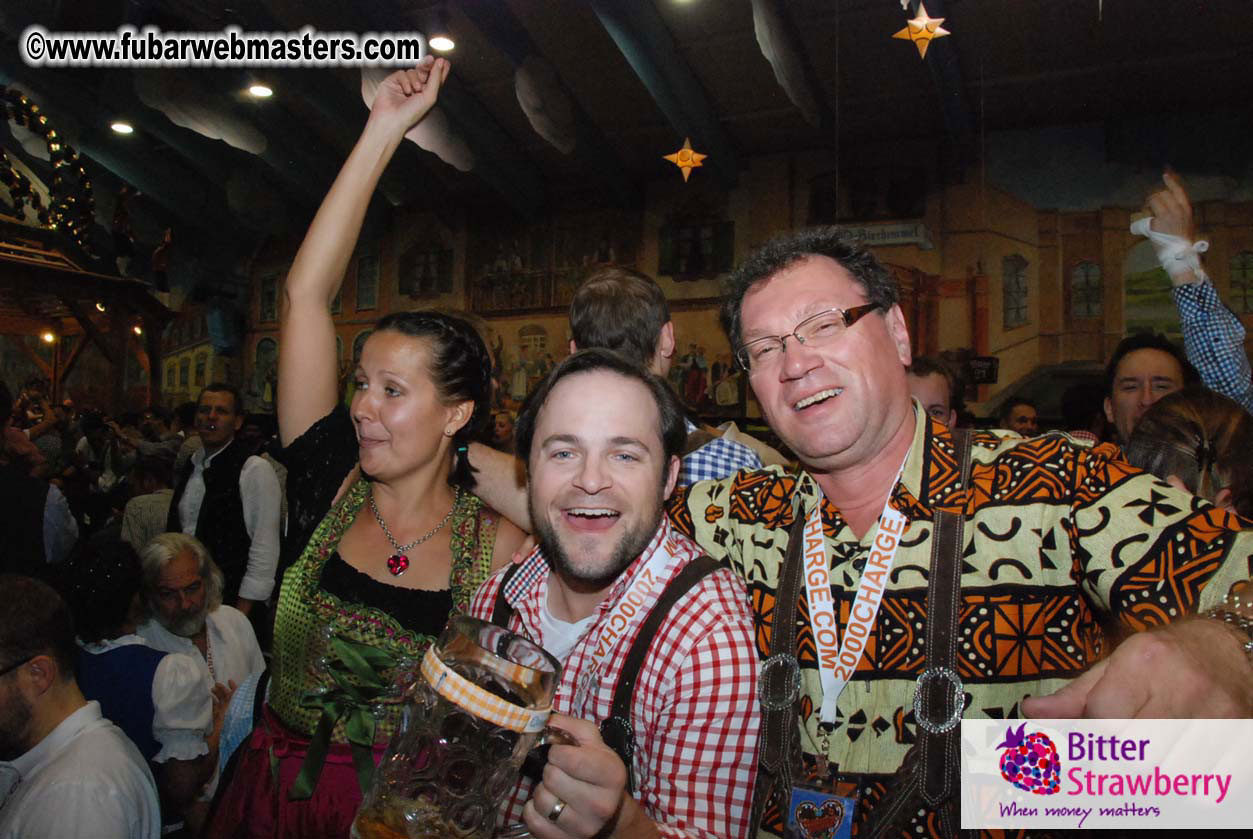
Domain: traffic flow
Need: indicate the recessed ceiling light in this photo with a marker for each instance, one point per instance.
(122, 127)
(48, 337)
(138, 330)
(99, 307)
(260, 91)
(442, 43)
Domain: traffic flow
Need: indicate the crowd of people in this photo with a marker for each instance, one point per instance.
(199, 640)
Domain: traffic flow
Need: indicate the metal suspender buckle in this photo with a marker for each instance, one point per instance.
(920, 709)
(779, 683)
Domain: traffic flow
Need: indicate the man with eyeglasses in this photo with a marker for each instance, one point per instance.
(65, 770)
(988, 587)
(1052, 532)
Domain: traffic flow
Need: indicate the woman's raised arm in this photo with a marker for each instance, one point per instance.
(308, 383)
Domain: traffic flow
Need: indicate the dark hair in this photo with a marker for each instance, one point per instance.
(619, 309)
(673, 431)
(162, 413)
(928, 365)
(461, 369)
(35, 621)
(186, 414)
(1149, 341)
(790, 248)
(92, 420)
(224, 387)
(101, 587)
(1202, 437)
(1012, 403)
(157, 465)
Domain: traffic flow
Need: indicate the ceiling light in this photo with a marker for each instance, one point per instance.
(260, 91)
(48, 337)
(440, 38)
(138, 330)
(122, 127)
(99, 307)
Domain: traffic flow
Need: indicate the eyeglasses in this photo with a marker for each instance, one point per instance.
(6, 671)
(813, 331)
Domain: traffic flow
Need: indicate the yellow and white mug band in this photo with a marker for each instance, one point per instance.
(465, 694)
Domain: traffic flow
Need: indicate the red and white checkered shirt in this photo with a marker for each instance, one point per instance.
(694, 710)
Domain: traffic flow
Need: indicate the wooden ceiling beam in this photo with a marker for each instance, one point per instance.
(642, 37)
(502, 28)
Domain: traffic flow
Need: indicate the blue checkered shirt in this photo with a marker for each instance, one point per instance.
(719, 458)
(1214, 340)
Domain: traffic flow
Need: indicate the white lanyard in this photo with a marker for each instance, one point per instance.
(624, 616)
(836, 664)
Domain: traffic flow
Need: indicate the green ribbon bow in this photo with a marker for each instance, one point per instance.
(351, 703)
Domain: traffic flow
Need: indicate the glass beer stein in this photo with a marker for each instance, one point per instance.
(479, 705)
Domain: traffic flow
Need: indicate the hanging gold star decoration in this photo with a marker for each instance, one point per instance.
(685, 158)
(922, 29)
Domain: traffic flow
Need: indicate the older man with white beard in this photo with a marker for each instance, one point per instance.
(182, 591)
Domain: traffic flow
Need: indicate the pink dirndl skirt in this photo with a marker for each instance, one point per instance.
(253, 803)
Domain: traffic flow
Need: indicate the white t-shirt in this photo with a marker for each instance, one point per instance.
(86, 778)
(560, 636)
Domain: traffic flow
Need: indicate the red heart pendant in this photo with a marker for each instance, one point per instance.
(397, 564)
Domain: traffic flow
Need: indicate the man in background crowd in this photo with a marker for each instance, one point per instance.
(65, 771)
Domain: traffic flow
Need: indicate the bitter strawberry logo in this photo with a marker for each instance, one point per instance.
(1030, 762)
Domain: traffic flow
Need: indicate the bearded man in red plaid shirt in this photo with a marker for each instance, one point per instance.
(601, 440)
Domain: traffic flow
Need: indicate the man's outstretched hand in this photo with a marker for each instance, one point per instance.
(1194, 668)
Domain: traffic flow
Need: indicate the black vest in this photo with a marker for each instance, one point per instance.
(22, 500)
(221, 523)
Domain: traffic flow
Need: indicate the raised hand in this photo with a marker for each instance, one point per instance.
(406, 96)
(1171, 209)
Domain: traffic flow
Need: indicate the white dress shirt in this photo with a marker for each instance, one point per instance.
(85, 779)
(183, 706)
(262, 497)
(230, 639)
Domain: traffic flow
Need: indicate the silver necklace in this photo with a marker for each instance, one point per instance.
(398, 563)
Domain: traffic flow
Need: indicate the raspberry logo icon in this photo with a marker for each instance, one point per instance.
(1029, 761)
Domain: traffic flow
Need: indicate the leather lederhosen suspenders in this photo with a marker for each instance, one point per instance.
(616, 729)
(929, 770)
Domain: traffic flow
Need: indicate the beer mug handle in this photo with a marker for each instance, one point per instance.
(550, 736)
(553, 736)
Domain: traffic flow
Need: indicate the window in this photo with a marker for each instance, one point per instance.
(265, 367)
(1014, 289)
(269, 297)
(1085, 290)
(368, 280)
(202, 361)
(424, 272)
(534, 338)
(171, 376)
(184, 371)
(1242, 281)
(695, 250)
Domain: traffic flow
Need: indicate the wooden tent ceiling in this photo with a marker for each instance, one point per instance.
(640, 75)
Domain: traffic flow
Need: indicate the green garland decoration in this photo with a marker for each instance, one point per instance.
(72, 205)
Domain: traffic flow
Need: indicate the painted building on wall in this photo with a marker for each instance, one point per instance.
(983, 271)
(189, 360)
